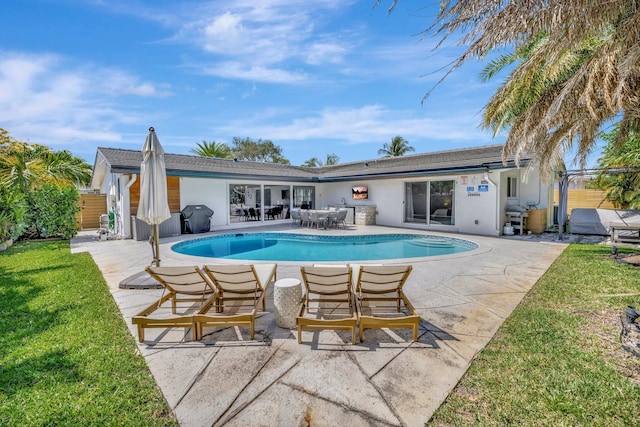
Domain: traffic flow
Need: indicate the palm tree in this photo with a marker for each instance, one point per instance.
(332, 159)
(620, 170)
(213, 149)
(521, 91)
(312, 162)
(568, 115)
(24, 166)
(398, 147)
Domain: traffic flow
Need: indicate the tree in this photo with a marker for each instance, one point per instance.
(213, 149)
(312, 162)
(520, 91)
(620, 170)
(604, 87)
(398, 147)
(33, 176)
(332, 159)
(257, 151)
(25, 166)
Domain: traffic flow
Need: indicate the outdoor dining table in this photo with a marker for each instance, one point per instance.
(330, 214)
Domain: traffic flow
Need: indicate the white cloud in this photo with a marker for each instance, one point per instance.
(46, 99)
(367, 124)
(236, 70)
(321, 53)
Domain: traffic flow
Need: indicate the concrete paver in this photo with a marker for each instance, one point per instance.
(227, 379)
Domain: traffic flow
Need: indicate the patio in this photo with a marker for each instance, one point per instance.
(227, 379)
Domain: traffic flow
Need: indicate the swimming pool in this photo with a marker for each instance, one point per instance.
(304, 247)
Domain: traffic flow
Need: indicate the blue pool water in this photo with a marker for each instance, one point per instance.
(303, 247)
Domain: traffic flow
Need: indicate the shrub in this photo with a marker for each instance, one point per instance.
(12, 213)
(52, 212)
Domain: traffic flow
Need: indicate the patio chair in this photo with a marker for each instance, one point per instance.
(296, 217)
(181, 285)
(305, 218)
(241, 290)
(328, 301)
(318, 219)
(380, 300)
(337, 218)
(342, 218)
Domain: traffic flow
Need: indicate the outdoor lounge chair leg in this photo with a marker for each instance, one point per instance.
(415, 333)
(361, 333)
(140, 333)
(299, 335)
(353, 335)
(251, 330)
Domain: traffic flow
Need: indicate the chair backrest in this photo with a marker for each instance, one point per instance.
(240, 278)
(304, 215)
(342, 214)
(295, 214)
(334, 280)
(382, 279)
(181, 280)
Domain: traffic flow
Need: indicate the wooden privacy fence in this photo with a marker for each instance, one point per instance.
(91, 207)
(584, 199)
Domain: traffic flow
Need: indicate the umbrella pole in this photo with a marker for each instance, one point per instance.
(156, 242)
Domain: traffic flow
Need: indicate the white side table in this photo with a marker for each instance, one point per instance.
(287, 294)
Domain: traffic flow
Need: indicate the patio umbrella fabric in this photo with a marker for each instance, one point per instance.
(153, 207)
(563, 190)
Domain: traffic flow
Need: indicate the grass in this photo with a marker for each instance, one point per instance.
(66, 356)
(557, 360)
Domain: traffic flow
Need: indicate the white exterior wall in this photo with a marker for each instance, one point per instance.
(476, 212)
(531, 191)
(388, 196)
(214, 193)
(210, 192)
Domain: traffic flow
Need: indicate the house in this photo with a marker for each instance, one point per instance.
(465, 190)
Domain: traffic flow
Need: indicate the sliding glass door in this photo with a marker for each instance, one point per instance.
(430, 202)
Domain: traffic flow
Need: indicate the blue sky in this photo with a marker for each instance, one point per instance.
(315, 77)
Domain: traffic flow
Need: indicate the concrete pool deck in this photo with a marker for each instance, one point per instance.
(227, 379)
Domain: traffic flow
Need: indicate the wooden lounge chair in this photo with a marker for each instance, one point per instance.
(328, 302)
(381, 302)
(181, 285)
(241, 289)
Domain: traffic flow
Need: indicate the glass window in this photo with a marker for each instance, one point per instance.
(304, 197)
(244, 202)
(416, 202)
(441, 202)
(276, 202)
(512, 187)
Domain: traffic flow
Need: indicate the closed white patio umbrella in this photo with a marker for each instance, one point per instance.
(153, 207)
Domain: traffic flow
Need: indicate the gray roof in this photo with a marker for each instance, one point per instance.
(463, 160)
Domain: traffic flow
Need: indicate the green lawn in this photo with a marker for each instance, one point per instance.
(557, 360)
(66, 356)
